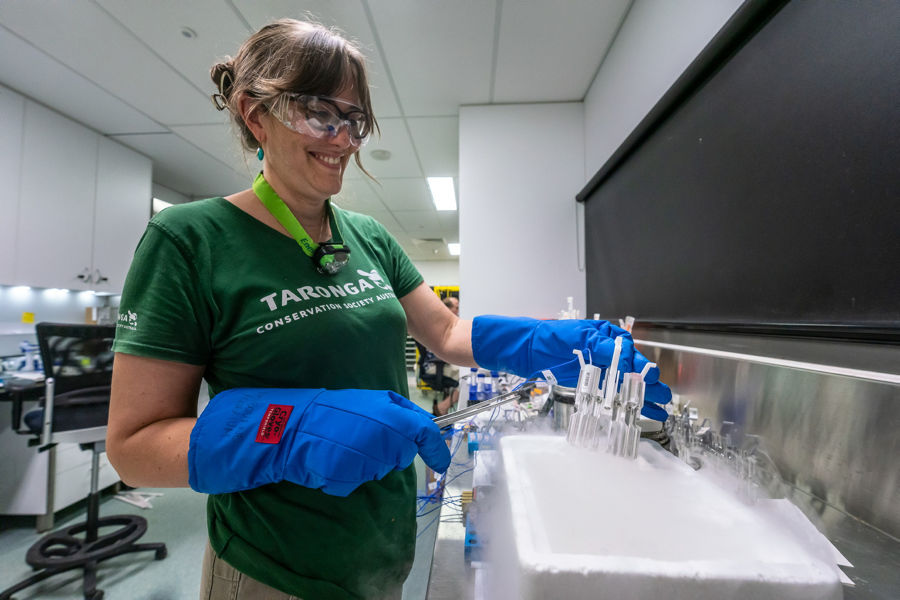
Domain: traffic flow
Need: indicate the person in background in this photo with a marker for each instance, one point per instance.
(451, 372)
(452, 303)
(438, 375)
(296, 312)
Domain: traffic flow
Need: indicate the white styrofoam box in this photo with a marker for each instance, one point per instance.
(586, 524)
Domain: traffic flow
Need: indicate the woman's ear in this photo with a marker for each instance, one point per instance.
(252, 116)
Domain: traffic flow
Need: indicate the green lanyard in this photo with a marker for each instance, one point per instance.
(280, 211)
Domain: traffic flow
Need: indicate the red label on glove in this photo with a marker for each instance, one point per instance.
(273, 423)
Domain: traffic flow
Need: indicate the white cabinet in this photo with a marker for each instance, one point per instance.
(12, 110)
(56, 200)
(121, 212)
(83, 203)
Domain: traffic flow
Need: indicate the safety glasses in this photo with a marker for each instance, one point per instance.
(320, 117)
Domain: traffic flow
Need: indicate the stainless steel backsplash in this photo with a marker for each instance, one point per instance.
(828, 413)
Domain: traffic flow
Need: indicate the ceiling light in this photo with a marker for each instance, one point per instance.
(442, 192)
(453, 249)
(380, 154)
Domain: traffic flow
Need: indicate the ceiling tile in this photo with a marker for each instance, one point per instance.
(440, 52)
(349, 16)
(158, 24)
(387, 219)
(427, 250)
(94, 44)
(418, 250)
(37, 75)
(449, 222)
(126, 69)
(581, 34)
(420, 223)
(357, 195)
(436, 141)
(395, 139)
(219, 141)
(184, 168)
(406, 194)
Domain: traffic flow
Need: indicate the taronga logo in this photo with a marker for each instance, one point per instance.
(369, 281)
(128, 320)
(375, 277)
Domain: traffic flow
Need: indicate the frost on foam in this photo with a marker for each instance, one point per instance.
(585, 522)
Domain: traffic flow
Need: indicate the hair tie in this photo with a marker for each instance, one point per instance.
(222, 82)
(219, 101)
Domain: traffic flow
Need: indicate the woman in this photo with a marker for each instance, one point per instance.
(296, 313)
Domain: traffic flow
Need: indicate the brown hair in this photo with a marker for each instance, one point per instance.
(288, 55)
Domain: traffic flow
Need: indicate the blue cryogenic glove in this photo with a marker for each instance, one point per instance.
(526, 346)
(333, 440)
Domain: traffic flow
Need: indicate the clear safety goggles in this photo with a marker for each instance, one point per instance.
(320, 117)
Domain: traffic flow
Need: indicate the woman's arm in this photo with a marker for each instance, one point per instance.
(151, 413)
(435, 327)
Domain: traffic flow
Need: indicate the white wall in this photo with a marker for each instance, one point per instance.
(439, 272)
(656, 43)
(520, 167)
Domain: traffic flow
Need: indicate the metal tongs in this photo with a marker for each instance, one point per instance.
(521, 393)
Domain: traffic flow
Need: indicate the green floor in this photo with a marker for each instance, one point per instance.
(178, 519)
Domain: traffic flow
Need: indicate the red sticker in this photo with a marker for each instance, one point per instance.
(273, 423)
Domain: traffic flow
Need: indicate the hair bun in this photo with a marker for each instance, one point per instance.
(222, 74)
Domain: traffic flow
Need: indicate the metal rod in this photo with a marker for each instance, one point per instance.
(445, 421)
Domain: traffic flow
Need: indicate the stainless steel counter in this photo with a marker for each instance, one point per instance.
(826, 412)
(874, 554)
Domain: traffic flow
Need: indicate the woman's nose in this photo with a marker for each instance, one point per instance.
(341, 135)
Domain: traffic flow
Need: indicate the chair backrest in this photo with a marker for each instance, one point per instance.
(78, 362)
(76, 356)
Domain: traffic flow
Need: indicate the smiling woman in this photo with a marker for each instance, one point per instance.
(286, 61)
(294, 514)
(314, 334)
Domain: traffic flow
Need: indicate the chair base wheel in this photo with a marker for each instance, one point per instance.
(69, 549)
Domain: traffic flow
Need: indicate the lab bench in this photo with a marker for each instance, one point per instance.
(451, 576)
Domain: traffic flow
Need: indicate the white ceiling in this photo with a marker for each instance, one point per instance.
(125, 69)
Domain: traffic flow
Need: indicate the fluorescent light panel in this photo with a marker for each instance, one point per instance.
(442, 192)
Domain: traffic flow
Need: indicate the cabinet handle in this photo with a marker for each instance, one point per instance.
(85, 275)
(100, 278)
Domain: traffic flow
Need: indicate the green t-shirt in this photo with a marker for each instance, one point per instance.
(210, 285)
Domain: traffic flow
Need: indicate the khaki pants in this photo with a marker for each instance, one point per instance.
(221, 581)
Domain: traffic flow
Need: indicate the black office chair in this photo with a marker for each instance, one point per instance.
(78, 374)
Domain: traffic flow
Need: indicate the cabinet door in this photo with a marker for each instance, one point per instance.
(56, 203)
(12, 110)
(121, 212)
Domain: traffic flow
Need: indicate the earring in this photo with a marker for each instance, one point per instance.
(259, 153)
